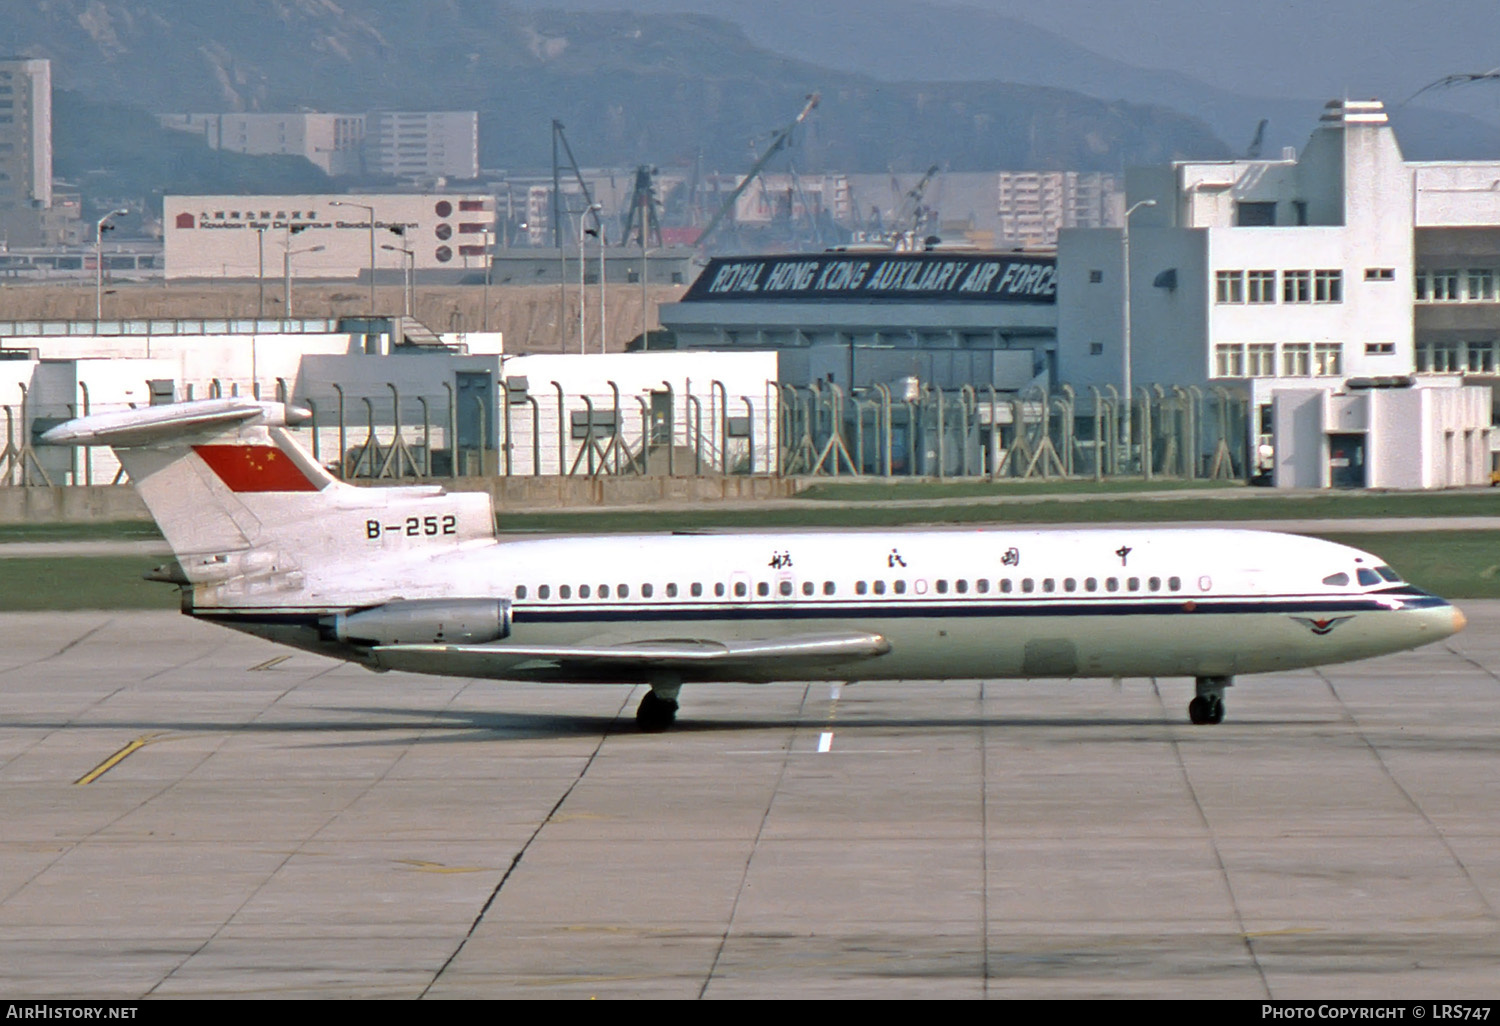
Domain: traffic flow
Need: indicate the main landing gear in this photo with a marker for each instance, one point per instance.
(1208, 706)
(658, 709)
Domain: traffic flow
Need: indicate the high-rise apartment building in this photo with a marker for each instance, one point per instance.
(25, 150)
(1034, 205)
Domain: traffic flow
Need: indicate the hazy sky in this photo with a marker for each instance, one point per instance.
(1283, 47)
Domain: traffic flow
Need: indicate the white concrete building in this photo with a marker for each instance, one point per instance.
(422, 146)
(331, 142)
(1344, 262)
(327, 236)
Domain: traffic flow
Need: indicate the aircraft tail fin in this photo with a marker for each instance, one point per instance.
(238, 499)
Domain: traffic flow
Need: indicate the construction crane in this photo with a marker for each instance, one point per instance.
(909, 217)
(777, 144)
(1252, 152)
(644, 216)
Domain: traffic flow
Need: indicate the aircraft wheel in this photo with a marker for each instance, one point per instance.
(655, 713)
(1215, 710)
(1198, 711)
(1206, 709)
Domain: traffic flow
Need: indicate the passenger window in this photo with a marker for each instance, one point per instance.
(1048, 584)
(1006, 586)
(604, 591)
(807, 587)
(828, 588)
(942, 587)
(520, 591)
(544, 591)
(718, 589)
(1069, 584)
(786, 587)
(583, 591)
(1154, 583)
(672, 590)
(1336, 580)
(880, 587)
(962, 587)
(1174, 583)
(565, 591)
(982, 586)
(1134, 584)
(860, 587)
(1090, 584)
(899, 587)
(623, 591)
(695, 589)
(740, 589)
(1111, 584)
(762, 589)
(647, 591)
(1027, 584)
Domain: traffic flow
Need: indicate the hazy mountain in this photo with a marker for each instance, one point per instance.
(934, 40)
(630, 87)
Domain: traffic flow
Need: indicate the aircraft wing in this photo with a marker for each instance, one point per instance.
(691, 659)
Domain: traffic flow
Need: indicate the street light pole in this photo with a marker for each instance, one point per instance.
(406, 296)
(99, 229)
(583, 220)
(489, 260)
(260, 274)
(1125, 313)
(371, 210)
(603, 292)
(286, 270)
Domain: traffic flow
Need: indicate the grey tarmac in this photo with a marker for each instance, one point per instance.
(189, 812)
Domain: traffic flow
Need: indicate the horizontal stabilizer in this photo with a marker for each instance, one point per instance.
(152, 424)
(716, 660)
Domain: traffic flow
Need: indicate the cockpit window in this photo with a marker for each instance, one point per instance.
(1367, 576)
(1388, 574)
(1336, 580)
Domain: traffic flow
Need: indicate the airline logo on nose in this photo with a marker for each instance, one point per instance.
(254, 468)
(1321, 627)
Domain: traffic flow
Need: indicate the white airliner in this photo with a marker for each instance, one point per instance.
(414, 578)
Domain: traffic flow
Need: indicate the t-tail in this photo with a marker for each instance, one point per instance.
(256, 523)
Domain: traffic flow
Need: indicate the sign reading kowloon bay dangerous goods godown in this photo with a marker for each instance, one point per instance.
(926, 276)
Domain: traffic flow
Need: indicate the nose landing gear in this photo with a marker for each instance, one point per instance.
(1208, 706)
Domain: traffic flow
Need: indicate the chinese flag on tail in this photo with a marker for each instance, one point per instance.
(254, 468)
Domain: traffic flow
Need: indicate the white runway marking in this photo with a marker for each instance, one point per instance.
(825, 742)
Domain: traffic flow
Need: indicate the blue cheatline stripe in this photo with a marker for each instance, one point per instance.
(794, 610)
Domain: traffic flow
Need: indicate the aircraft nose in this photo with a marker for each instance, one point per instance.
(1460, 621)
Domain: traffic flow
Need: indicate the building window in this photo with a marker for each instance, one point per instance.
(1328, 359)
(1296, 287)
(1380, 349)
(1254, 215)
(1481, 357)
(1229, 360)
(1096, 348)
(1443, 286)
(1262, 286)
(1380, 274)
(1328, 286)
(1481, 285)
(1438, 357)
(1260, 359)
(1296, 359)
(1229, 286)
(1095, 277)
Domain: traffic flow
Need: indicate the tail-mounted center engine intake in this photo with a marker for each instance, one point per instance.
(426, 622)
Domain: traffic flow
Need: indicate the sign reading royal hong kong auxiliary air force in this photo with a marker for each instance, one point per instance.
(985, 278)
